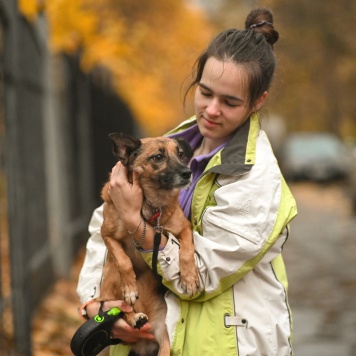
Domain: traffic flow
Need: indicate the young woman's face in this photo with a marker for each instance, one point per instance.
(221, 101)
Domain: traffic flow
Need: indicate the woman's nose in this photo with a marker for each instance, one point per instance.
(213, 109)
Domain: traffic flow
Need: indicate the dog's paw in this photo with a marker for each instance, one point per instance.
(139, 320)
(130, 293)
(190, 282)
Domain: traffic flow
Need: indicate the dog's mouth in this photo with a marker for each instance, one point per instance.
(175, 179)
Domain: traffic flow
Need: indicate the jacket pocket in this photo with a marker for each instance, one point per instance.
(214, 223)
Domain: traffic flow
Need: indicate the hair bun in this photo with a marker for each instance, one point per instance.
(261, 20)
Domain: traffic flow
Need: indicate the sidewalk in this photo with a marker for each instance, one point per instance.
(320, 258)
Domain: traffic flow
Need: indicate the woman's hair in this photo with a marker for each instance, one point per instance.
(251, 48)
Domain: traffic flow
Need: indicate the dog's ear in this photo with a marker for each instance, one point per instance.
(184, 145)
(123, 146)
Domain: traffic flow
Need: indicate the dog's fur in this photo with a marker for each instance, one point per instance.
(161, 169)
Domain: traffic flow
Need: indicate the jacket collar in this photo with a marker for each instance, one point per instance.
(239, 155)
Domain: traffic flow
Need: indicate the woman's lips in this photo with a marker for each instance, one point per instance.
(209, 123)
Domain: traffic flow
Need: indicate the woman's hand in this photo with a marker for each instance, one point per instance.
(127, 197)
(121, 330)
(92, 308)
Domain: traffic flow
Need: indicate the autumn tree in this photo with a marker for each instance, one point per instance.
(147, 47)
(316, 74)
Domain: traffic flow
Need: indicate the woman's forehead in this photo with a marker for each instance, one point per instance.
(224, 76)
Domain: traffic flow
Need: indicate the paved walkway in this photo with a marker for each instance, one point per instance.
(321, 264)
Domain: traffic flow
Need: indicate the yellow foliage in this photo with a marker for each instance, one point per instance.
(71, 24)
(30, 8)
(147, 46)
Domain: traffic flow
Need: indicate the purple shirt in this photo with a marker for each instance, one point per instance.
(197, 165)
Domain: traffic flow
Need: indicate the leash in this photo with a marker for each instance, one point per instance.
(157, 240)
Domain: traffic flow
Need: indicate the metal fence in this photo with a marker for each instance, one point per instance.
(55, 156)
(5, 310)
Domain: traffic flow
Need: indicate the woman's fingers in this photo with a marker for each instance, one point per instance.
(126, 196)
(118, 174)
(123, 331)
(135, 181)
(122, 305)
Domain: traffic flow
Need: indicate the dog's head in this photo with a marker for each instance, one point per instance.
(161, 163)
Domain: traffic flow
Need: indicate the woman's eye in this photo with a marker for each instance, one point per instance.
(205, 93)
(231, 105)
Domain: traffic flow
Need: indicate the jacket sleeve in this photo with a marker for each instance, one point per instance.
(91, 273)
(246, 225)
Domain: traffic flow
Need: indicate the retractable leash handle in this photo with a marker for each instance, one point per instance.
(94, 335)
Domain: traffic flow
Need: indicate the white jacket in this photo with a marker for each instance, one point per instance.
(240, 212)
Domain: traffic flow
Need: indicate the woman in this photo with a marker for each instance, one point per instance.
(239, 206)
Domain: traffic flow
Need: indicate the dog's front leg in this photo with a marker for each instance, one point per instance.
(127, 275)
(188, 269)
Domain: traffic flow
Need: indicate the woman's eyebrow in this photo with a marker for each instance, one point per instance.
(204, 86)
(230, 97)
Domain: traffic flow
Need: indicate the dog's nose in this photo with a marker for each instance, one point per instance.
(186, 174)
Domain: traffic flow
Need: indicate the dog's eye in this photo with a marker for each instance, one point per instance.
(181, 154)
(157, 158)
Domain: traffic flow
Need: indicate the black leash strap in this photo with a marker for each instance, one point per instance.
(156, 243)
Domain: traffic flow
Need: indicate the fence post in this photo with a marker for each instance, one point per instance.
(25, 174)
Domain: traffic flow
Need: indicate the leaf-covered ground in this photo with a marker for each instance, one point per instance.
(57, 318)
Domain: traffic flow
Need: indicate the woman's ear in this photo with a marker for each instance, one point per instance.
(260, 102)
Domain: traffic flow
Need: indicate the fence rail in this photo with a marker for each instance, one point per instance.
(54, 121)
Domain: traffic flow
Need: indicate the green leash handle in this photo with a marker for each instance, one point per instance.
(94, 335)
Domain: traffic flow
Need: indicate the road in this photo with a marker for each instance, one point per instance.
(320, 256)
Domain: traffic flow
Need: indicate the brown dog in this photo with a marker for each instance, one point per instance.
(161, 169)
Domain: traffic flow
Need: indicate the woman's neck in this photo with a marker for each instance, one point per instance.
(207, 145)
